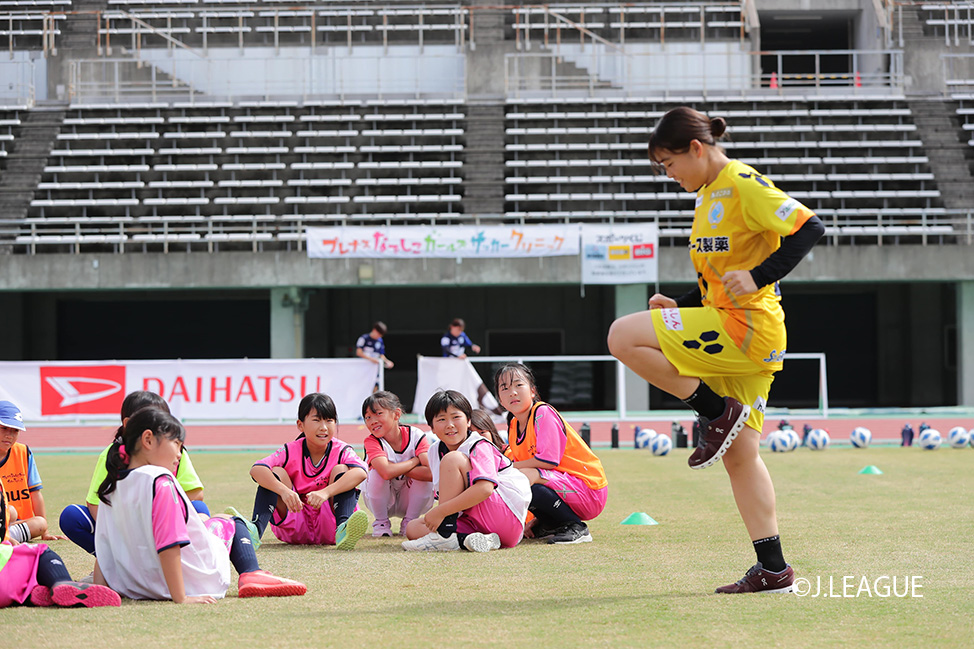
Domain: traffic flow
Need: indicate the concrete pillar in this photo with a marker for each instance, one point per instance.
(287, 322)
(926, 344)
(965, 344)
(631, 298)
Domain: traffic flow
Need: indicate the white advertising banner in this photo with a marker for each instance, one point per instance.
(620, 253)
(418, 241)
(227, 390)
(435, 374)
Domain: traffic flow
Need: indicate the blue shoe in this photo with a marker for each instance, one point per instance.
(348, 533)
(254, 534)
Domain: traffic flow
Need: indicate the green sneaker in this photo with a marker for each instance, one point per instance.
(349, 532)
(254, 534)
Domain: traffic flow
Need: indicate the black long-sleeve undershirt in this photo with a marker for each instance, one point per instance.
(778, 264)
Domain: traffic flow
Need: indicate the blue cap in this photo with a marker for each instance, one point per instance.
(10, 416)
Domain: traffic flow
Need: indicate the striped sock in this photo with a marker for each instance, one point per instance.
(19, 532)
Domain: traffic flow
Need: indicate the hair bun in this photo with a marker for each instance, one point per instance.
(718, 126)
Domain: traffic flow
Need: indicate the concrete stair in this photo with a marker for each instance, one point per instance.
(25, 164)
(483, 167)
(945, 143)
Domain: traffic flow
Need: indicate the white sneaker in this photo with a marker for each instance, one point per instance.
(477, 542)
(381, 528)
(88, 579)
(432, 542)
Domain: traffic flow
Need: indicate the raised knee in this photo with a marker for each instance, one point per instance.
(615, 339)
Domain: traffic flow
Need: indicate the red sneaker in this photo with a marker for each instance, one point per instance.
(261, 583)
(719, 433)
(41, 596)
(759, 580)
(74, 593)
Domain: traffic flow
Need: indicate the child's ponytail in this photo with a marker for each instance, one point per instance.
(116, 462)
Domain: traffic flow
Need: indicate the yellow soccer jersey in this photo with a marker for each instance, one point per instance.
(738, 222)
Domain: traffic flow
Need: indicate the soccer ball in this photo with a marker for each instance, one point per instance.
(958, 437)
(860, 437)
(817, 440)
(783, 442)
(661, 444)
(772, 437)
(644, 437)
(929, 439)
(792, 435)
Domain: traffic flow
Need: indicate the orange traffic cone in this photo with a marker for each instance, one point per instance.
(774, 80)
(858, 80)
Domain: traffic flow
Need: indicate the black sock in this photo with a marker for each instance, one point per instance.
(769, 553)
(448, 526)
(706, 402)
(242, 554)
(548, 507)
(343, 504)
(265, 502)
(50, 569)
(460, 539)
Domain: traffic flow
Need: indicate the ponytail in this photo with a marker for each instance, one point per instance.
(114, 464)
(127, 438)
(679, 127)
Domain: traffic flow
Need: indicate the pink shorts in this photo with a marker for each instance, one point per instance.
(492, 515)
(222, 528)
(584, 501)
(309, 526)
(19, 575)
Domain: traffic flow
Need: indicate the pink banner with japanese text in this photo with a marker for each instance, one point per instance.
(223, 390)
(418, 241)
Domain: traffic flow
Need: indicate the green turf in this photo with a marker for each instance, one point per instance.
(635, 586)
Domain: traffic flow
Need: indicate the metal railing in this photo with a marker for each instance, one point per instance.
(597, 70)
(958, 71)
(211, 234)
(230, 77)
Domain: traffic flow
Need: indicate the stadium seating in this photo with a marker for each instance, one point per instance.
(850, 159)
(251, 169)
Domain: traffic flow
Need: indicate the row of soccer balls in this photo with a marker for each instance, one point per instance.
(783, 441)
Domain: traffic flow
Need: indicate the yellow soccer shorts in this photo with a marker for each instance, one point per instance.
(694, 340)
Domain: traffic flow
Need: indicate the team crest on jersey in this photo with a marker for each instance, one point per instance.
(672, 320)
(775, 356)
(716, 214)
(786, 209)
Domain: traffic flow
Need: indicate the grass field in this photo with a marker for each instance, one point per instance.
(635, 586)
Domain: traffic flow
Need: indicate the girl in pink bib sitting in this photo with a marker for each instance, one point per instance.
(308, 488)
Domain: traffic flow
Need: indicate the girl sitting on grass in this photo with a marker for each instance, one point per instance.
(144, 509)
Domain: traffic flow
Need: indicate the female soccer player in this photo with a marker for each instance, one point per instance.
(399, 482)
(151, 544)
(717, 348)
(483, 499)
(308, 489)
(568, 483)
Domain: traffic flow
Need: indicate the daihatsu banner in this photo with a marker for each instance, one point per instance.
(195, 389)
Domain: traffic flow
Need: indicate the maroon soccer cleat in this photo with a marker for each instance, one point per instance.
(759, 580)
(719, 433)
